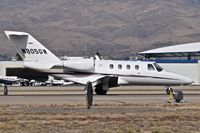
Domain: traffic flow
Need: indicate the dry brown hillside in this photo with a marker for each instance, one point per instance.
(116, 28)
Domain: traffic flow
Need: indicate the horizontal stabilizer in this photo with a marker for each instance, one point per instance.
(40, 65)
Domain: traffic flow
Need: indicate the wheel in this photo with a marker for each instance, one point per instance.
(168, 90)
(100, 91)
(89, 94)
(5, 91)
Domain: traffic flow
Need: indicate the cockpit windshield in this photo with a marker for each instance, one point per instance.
(158, 67)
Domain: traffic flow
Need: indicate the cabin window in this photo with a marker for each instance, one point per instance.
(158, 67)
(151, 67)
(137, 67)
(128, 67)
(119, 66)
(111, 66)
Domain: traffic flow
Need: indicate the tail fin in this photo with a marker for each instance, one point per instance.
(30, 49)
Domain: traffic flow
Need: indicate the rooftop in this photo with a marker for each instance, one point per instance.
(190, 49)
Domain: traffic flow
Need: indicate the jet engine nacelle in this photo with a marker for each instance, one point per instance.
(83, 65)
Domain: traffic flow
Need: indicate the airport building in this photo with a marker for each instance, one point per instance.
(183, 59)
(16, 68)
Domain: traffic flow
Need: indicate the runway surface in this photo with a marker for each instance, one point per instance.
(125, 109)
(75, 95)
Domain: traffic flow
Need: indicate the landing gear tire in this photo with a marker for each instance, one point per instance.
(89, 95)
(100, 91)
(178, 96)
(5, 90)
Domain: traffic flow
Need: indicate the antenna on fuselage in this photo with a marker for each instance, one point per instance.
(98, 56)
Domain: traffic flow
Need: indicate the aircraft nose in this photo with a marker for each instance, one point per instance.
(186, 80)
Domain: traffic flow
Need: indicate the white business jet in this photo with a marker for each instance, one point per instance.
(93, 72)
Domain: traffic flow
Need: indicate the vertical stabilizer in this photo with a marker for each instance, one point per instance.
(30, 49)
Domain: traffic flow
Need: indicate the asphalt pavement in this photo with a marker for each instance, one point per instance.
(74, 95)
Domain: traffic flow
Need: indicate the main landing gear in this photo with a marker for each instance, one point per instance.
(176, 95)
(100, 91)
(89, 94)
(5, 90)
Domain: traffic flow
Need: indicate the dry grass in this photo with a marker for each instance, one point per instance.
(135, 118)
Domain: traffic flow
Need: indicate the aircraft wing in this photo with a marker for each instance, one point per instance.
(81, 79)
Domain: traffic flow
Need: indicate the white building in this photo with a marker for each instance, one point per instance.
(16, 68)
(183, 59)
